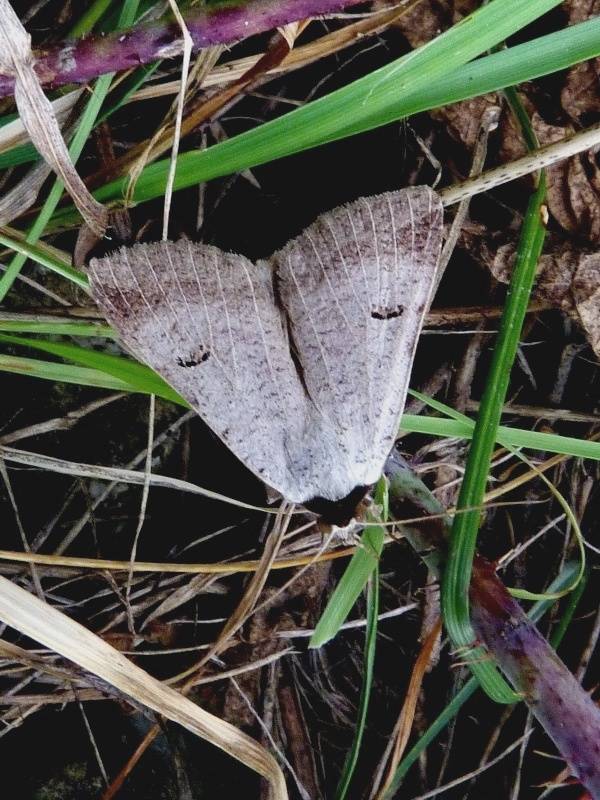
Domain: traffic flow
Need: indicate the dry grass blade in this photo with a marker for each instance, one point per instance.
(220, 568)
(403, 727)
(24, 194)
(115, 474)
(185, 68)
(36, 619)
(14, 133)
(248, 601)
(38, 115)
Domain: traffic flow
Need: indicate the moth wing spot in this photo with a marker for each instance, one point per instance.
(387, 312)
(195, 358)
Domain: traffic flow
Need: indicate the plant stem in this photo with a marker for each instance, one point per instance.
(224, 23)
(562, 706)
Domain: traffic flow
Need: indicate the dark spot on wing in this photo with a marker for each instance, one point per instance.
(193, 359)
(387, 312)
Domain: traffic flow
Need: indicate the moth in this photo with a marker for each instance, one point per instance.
(299, 363)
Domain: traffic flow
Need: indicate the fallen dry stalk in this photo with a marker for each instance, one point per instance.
(588, 139)
(219, 568)
(43, 623)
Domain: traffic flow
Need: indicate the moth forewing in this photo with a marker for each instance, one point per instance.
(313, 413)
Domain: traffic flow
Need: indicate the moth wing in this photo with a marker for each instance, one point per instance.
(207, 322)
(356, 285)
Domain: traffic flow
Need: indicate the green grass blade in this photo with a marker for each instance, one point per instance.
(137, 377)
(367, 685)
(89, 18)
(508, 437)
(355, 577)
(21, 154)
(457, 573)
(41, 256)
(535, 613)
(407, 86)
(62, 373)
(571, 607)
(352, 583)
(129, 86)
(59, 328)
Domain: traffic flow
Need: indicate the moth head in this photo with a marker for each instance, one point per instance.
(339, 512)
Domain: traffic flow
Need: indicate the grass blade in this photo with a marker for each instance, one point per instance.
(428, 78)
(508, 437)
(60, 327)
(362, 565)
(130, 374)
(62, 373)
(457, 574)
(41, 256)
(367, 684)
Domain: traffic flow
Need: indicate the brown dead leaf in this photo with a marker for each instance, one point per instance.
(573, 186)
(24, 194)
(580, 10)
(425, 22)
(37, 115)
(580, 95)
(463, 120)
(586, 297)
(568, 274)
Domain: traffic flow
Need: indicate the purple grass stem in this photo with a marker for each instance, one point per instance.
(565, 710)
(561, 705)
(81, 60)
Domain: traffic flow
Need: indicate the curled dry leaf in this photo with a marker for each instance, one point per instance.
(573, 185)
(568, 274)
(38, 117)
(580, 95)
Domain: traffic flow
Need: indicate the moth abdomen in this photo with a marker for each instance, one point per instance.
(337, 512)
